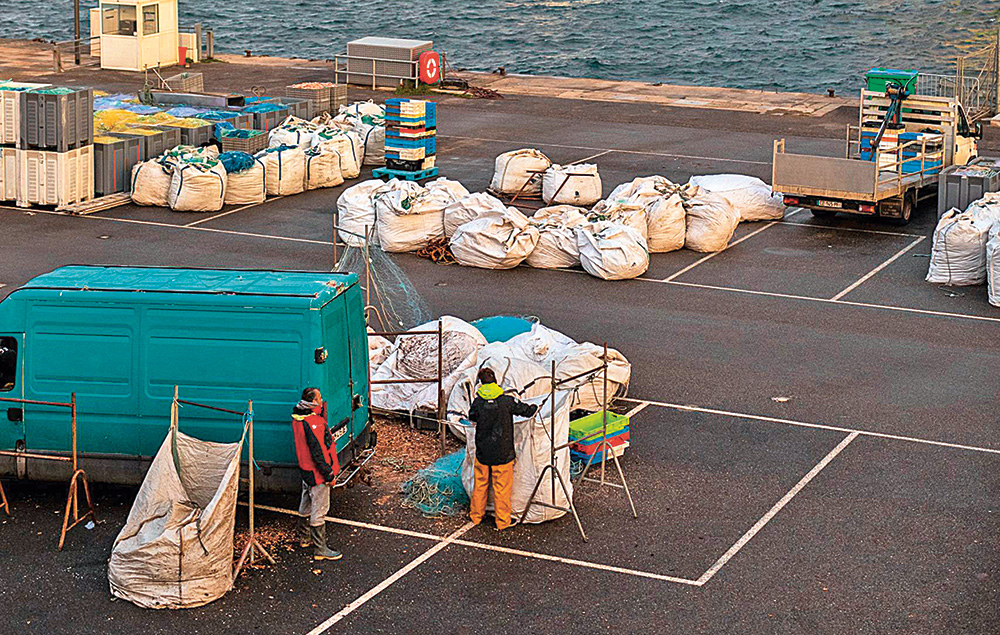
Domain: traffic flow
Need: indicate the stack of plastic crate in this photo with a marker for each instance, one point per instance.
(587, 436)
(410, 139)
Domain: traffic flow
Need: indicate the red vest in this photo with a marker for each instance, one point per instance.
(316, 425)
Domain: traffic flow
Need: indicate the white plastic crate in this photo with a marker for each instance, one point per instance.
(10, 110)
(8, 174)
(55, 178)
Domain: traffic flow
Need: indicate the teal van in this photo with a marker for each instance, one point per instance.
(121, 338)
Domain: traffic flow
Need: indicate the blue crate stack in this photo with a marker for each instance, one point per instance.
(410, 139)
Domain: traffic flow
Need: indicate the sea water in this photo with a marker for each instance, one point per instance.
(803, 45)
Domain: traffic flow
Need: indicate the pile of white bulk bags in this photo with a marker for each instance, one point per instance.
(557, 247)
(578, 184)
(495, 240)
(469, 208)
(197, 186)
(750, 197)
(612, 251)
(356, 211)
(663, 201)
(248, 186)
(710, 221)
(519, 171)
(322, 169)
(284, 170)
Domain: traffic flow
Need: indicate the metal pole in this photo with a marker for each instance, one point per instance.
(368, 271)
(604, 416)
(72, 405)
(76, 32)
(336, 257)
(250, 470)
(210, 37)
(440, 383)
(552, 431)
(197, 39)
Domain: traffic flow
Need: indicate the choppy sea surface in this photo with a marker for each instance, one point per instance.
(805, 45)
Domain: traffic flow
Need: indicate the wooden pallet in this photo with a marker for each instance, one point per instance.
(97, 204)
(419, 175)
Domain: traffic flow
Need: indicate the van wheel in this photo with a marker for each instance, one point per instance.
(823, 213)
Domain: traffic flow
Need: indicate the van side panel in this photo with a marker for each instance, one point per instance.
(224, 357)
(89, 349)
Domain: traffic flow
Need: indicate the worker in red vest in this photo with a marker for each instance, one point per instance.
(317, 456)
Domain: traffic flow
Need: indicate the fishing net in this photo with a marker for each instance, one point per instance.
(437, 489)
(394, 302)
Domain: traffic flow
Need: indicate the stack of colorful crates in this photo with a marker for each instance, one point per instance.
(410, 135)
(585, 436)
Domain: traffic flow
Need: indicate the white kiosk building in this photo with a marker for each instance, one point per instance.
(138, 34)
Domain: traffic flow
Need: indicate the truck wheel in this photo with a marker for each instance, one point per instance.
(906, 210)
(823, 213)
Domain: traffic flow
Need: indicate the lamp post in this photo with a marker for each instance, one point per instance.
(76, 31)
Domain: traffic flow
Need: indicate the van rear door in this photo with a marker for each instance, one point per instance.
(358, 345)
(11, 387)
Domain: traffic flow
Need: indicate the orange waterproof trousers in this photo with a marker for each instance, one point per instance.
(503, 486)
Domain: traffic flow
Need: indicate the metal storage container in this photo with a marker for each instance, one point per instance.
(10, 110)
(57, 122)
(960, 185)
(338, 97)
(388, 58)
(301, 108)
(198, 136)
(186, 82)
(55, 178)
(268, 121)
(318, 98)
(8, 174)
(157, 140)
(113, 161)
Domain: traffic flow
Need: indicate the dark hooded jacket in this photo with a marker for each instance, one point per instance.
(493, 413)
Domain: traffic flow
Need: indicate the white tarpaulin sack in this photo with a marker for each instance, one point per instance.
(198, 187)
(373, 138)
(246, 187)
(532, 447)
(470, 208)
(664, 204)
(322, 169)
(416, 357)
(751, 197)
(710, 221)
(958, 255)
(407, 216)
(519, 171)
(347, 144)
(624, 213)
(611, 251)
(176, 548)
(151, 183)
(993, 265)
(294, 132)
(284, 171)
(356, 210)
(495, 240)
(578, 184)
(638, 190)
(580, 361)
(556, 248)
(378, 351)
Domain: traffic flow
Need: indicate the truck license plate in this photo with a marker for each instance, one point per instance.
(823, 203)
(339, 433)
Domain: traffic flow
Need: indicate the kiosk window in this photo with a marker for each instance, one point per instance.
(118, 19)
(8, 363)
(150, 20)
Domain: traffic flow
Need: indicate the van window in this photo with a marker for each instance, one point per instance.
(8, 363)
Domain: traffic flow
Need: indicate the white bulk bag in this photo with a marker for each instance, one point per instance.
(993, 265)
(447, 190)
(638, 190)
(373, 138)
(356, 210)
(532, 447)
(519, 171)
(666, 222)
(347, 144)
(469, 208)
(284, 171)
(246, 187)
(403, 223)
(495, 240)
(176, 548)
(556, 248)
(710, 221)
(293, 132)
(624, 213)
(151, 183)
(378, 351)
(197, 187)
(322, 169)
(611, 251)
(416, 357)
(578, 184)
(361, 108)
(958, 254)
(751, 197)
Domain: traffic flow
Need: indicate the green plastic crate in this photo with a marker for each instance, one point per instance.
(877, 78)
(580, 428)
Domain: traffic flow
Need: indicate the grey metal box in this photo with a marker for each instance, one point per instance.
(156, 144)
(57, 122)
(301, 108)
(197, 137)
(960, 185)
(388, 58)
(113, 164)
(268, 121)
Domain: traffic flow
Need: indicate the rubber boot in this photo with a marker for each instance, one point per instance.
(320, 550)
(305, 536)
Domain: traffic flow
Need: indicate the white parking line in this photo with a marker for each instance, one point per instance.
(726, 557)
(860, 281)
(385, 584)
(716, 253)
(232, 211)
(816, 426)
(640, 152)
